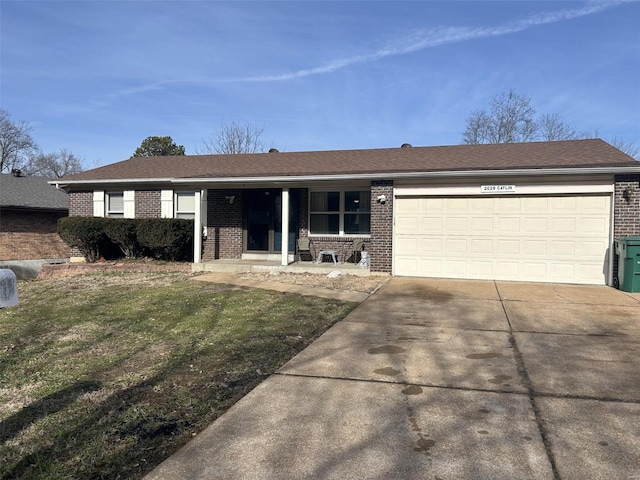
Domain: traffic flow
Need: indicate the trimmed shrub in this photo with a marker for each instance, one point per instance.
(84, 233)
(124, 233)
(167, 238)
(163, 238)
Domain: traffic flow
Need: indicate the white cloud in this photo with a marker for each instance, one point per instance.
(433, 37)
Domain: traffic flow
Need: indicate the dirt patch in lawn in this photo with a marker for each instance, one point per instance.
(350, 283)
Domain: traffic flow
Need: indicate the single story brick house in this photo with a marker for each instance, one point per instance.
(29, 213)
(540, 211)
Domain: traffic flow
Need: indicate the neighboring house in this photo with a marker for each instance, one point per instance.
(29, 211)
(545, 211)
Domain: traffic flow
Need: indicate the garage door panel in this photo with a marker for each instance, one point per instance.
(507, 247)
(508, 224)
(592, 225)
(431, 224)
(554, 239)
(407, 224)
(535, 247)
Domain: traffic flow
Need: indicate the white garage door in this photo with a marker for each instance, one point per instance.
(530, 238)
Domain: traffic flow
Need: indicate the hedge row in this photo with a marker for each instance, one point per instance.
(162, 238)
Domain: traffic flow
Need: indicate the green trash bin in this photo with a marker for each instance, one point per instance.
(628, 251)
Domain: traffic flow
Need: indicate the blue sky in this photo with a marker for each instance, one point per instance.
(97, 77)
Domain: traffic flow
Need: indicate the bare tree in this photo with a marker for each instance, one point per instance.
(629, 148)
(552, 128)
(510, 119)
(233, 138)
(54, 165)
(16, 143)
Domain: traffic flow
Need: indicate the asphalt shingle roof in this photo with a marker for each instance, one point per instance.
(533, 155)
(31, 192)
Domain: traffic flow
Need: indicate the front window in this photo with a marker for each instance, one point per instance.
(340, 212)
(115, 204)
(185, 205)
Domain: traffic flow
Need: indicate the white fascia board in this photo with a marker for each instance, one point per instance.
(409, 175)
(358, 176)
(61, 183)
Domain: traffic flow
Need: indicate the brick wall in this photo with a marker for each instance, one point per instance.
(381, 247)
(342, 245)
(31, 235)
(303, 218)
(626, 212)
(224, 225)
(81, 204)
(147, 203)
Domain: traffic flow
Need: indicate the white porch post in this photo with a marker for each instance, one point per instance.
(285, 226)
(197, 228)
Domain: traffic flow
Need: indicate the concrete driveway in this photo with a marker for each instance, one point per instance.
(445, 379)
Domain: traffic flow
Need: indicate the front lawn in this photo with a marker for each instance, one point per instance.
(104, 376)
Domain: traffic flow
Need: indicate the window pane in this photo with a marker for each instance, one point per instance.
(188, 216)
(357, 201)
(116, 202)
(324, 223)
(325, 201)
(359, 223)
(186, 202)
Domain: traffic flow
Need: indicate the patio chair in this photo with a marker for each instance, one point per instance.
(304, 247)
(354, 249)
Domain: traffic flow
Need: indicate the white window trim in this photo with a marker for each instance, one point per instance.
(341, 212)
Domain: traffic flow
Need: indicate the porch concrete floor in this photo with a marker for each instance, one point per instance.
(246, 266)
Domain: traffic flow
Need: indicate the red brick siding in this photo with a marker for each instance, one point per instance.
(341, 245)
(31, 235)
(147, 203)
(381, 247)
(81, 204)
(224, 225)
(626, 212)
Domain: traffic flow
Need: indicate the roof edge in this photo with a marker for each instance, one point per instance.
(362, 176)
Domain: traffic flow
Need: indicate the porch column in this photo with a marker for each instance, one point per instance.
(197, 228)
(285, 226)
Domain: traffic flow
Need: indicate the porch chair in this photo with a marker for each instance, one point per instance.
(304, 247)
(355, 249)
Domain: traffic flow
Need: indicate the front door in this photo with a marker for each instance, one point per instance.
(263, 221)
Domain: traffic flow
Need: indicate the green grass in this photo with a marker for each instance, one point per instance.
(104, 376)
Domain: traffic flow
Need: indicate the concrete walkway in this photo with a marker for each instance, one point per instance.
(445, 379)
